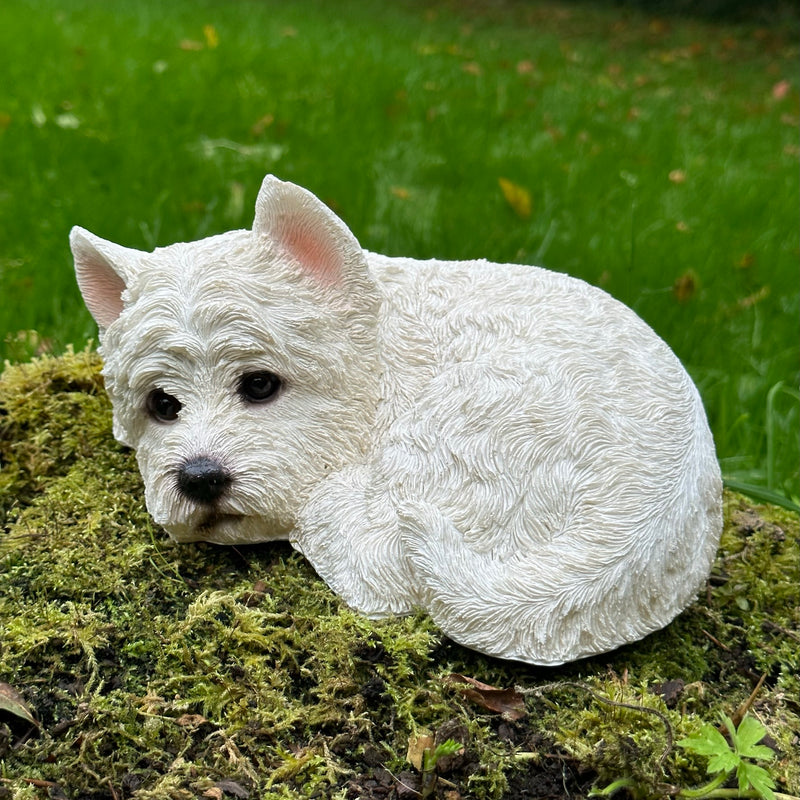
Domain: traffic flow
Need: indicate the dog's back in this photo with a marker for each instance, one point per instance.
(546, 455)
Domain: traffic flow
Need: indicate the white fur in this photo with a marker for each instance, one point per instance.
(507, 447)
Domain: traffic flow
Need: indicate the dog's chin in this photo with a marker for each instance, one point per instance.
(221, 528)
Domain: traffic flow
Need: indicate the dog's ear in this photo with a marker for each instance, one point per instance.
(304, 227)
(101, 268)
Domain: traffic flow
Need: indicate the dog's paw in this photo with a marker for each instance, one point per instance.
(352, 540)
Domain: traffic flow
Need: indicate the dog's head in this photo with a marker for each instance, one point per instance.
(243, 368)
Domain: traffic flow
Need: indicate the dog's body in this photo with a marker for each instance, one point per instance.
(507, 447)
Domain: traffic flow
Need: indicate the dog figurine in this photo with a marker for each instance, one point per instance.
(506, 447)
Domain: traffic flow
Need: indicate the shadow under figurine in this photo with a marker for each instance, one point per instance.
(509, 448)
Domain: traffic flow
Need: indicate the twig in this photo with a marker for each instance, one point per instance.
(779, 629)
(738, 715)
(716, 641)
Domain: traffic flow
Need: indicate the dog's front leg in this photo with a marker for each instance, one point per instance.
(349, 532)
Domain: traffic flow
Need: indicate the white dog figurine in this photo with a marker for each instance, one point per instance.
(506, 447)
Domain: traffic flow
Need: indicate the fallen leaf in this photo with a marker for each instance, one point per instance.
(211, 35)
(525, 67)
(756, 297)
(748, 521)
(517, 197)
(401, 192)
(508, 702)
(677, 176)
(190, 44)
(685, 286)
(781, 89)
(261, 124)
(232, 788)
(11, 702)
(256, 595)
(417, 747)
(472, 68)
(190, 720)
(670, 691)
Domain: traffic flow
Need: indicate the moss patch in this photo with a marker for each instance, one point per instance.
(166, 671)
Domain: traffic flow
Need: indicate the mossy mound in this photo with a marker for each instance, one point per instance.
(168, 671)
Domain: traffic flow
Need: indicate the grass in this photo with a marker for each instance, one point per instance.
(659, 157)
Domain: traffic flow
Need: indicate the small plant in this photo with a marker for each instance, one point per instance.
(737, 756)
(430, 758)
(724, 759)
(423, 755)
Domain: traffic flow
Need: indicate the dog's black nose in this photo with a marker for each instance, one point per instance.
(203, 479)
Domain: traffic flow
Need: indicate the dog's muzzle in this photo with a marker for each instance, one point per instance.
(203, 479)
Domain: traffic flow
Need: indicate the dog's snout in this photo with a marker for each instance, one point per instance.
(203, 479)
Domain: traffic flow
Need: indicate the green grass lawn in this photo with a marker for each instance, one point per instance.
(660, 159)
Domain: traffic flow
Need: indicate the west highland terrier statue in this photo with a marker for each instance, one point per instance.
(506, 447)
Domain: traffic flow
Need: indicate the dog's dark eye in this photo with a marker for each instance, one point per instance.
(162, 406)
(259, 387)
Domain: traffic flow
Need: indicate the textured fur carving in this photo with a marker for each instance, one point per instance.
(507, 447)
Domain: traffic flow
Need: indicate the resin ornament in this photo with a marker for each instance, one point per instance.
(508, 448)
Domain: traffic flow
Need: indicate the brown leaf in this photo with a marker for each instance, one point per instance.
(755, 297)
(685, 286)
(417, 747)
(517, 197)
(190, 720)
(261, 124)
(781, 89)
(11, 702)
(677, 176)
(232, 788)
(508, 702)
(670, 691)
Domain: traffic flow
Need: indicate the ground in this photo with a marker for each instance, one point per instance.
(132, 667)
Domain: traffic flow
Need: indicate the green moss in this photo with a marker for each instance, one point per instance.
(166, 671)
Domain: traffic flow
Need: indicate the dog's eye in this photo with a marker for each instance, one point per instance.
(258, 387)
(162, 406)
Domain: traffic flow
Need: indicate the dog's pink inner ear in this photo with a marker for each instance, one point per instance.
(306, 229)
(99, 283)
(102, 292)
(307, 242)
